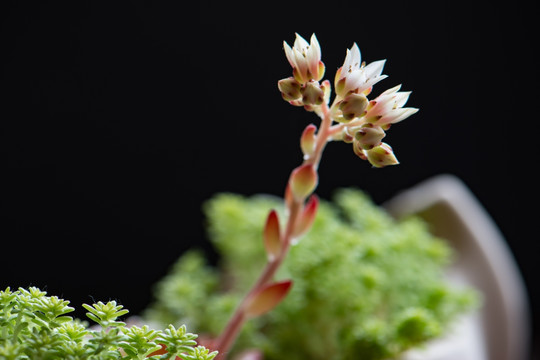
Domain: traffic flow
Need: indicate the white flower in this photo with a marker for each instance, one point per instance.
(354, 76)
(388, 108)
(305, 59)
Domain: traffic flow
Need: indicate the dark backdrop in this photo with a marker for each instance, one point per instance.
(120, 119)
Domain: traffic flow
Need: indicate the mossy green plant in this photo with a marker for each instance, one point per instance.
(365, 285)
(34, 326)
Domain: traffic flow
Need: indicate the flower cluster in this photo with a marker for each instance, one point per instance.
(358, 120)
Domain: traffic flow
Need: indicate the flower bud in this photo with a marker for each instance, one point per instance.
(307, 217)
(267, 298)
(303, 181)
(312, 94)
(361, 153)
(272, 235)
(307, 141)
(354, 105)
(381, 156)
(369, 136)
(346, 136)
(290, 89)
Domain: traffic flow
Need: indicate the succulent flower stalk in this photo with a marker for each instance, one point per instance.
(351, 118)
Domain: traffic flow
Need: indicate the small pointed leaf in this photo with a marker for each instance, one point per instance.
(307, 217)
(272, 235)
(267, 298)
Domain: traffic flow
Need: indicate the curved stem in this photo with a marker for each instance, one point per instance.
(224, 342)
(322, 137)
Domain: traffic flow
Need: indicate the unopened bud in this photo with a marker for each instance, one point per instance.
(361, 153)
(354, 105)
(369, 136)
(307, 141)
(346, 135)
(272, 235)
(290, 89)
(381, 156)
(303, 181)
(306, 218)
(312, 94)
(267, 298)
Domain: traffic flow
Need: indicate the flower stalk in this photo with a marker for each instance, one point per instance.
(351, 118)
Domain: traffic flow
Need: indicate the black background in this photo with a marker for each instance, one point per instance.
(120, 119)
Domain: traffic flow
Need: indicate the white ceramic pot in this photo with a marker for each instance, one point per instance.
(500, 330)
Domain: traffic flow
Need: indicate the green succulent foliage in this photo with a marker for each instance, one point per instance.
(35, 326)
(365, 286)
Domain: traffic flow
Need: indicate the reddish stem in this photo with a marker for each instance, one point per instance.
(224, 342)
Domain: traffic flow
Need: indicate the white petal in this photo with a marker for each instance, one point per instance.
(352, 59)
(300, 61)
(356, 56)
(374, 69)
(300, 43)
(373, 81)
(396, 116)
(315, 47)
(289, 54)
(384, 105)
(401, 98)
(346, 63)
(355, 80)
(313, 56)
(391, 90)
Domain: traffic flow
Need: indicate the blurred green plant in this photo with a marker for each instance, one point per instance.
(365, 286)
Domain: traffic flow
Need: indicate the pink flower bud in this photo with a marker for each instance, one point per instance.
(272, 235)
(303, 181)
(346, 136)
(361, 153)
(312, 94)
(307, 217)
(290, 89)
(381, 156)
(267, 298)
(369, 136)
(354, 105)
(307, 141)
